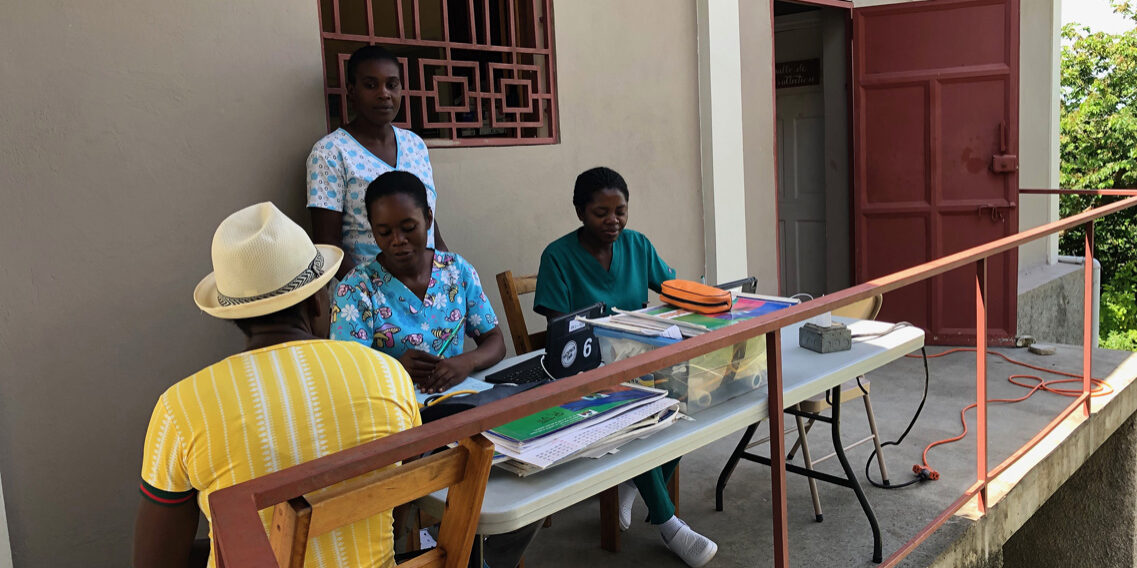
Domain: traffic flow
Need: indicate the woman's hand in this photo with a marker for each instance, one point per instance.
(449, 372)
(432, 374)
(420, 366)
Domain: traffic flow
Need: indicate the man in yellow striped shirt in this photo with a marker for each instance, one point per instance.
(290, 397)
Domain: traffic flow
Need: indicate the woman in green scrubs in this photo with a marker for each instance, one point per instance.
(602, 261)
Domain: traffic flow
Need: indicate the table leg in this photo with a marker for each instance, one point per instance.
(731, 463)
(839, 448)
(609, 520)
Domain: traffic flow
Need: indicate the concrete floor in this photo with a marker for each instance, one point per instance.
(743, 530)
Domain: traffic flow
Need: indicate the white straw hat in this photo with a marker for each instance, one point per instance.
(263, 262)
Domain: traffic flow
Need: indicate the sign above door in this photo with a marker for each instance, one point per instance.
(804, 73)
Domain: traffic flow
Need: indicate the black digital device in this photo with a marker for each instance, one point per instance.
(570, 348)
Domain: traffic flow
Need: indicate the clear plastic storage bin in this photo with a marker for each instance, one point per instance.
(701, 382)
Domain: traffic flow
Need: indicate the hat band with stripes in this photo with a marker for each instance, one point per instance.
(315, 270)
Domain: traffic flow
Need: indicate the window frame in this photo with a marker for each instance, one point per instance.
(536, 62)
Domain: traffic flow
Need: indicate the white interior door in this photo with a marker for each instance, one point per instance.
(804, 228)
(801, 191)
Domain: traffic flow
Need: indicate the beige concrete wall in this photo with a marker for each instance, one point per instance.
(628, 100)
(1039, 46)
(721, 141)
(129, 131)
(758, 142)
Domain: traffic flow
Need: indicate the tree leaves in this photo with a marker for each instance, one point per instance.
(1098, 147)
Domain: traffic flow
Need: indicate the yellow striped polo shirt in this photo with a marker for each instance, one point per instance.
(265, 410)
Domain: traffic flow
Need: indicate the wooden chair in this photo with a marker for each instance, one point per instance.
(511, 288)
(866, 309)
(463, 469)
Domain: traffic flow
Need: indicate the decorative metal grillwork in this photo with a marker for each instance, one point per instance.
(475, 72)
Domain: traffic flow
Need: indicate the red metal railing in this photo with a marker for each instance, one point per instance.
(475, 72)
(240, 537)
(984, 476)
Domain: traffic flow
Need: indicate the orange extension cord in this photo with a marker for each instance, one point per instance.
(1097, 388)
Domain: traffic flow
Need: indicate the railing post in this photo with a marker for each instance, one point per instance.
(777, 449)
(981, 380)
(1087, 316)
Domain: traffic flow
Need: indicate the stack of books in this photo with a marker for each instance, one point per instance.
(592, 426)
(705, 380)
(677, 323)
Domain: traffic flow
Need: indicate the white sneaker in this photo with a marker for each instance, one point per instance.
(626, 496)
(693, 548)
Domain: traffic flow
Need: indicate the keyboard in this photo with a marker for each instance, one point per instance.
(527, 371)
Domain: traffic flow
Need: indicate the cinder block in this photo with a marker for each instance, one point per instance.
(835, 337)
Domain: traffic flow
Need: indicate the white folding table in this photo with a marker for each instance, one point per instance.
(512, 502)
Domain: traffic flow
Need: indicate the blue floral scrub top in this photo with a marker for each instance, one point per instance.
(374, 308)
(339, 171)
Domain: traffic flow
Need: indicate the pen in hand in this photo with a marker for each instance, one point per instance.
(429, 382)
(453, 333)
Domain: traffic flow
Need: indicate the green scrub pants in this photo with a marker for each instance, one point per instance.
(653, 488)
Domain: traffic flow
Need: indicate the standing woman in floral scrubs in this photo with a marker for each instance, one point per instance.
(343, 163)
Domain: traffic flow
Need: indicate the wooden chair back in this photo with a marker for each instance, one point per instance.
(866, 309)
(511, 289)
(463, 469)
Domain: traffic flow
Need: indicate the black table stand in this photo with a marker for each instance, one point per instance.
(850, 479)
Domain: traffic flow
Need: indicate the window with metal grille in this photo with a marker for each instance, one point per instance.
(475, 72)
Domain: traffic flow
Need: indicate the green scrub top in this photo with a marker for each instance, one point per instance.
(570, 278)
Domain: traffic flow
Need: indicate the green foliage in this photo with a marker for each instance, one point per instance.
(1098, 145)
(1118, 312)
(1122, 340)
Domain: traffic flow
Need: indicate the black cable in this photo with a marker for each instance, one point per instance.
(898, 441)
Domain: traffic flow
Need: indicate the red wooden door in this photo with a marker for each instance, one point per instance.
(935, 115)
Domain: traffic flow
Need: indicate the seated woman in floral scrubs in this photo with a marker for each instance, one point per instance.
(410, 300)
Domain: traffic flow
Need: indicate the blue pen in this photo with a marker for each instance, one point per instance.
(453, 333)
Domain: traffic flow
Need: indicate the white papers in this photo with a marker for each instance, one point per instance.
(611, 444)
(564, 444)
(469, 384)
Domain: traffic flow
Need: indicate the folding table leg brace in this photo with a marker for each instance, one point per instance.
(850, 479)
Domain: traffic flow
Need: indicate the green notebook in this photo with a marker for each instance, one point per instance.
(590, 407)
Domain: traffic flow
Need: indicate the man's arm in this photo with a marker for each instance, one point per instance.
(164, 535)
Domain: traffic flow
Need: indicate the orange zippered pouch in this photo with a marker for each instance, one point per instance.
(695, 296)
